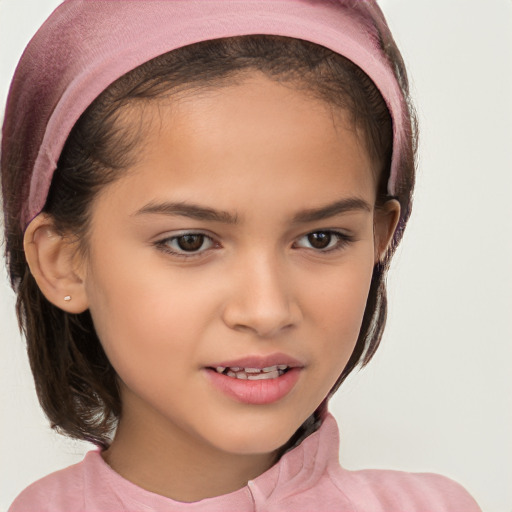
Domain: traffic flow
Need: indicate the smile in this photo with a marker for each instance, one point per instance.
(256, 380)
(270, 372)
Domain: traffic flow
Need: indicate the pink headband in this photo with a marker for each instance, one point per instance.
(86, 45)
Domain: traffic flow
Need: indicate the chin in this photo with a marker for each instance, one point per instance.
(259, 437)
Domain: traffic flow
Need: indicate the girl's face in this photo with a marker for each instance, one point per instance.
(243, 238)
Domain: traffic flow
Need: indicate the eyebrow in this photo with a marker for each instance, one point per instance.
(346, 205)
(194, 211)
(190, 210)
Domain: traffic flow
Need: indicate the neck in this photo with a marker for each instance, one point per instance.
(168, 461)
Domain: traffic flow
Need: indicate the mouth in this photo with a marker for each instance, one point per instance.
(237, 372)
(256, 380)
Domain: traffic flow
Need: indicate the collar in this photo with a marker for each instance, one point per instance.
(296, 471)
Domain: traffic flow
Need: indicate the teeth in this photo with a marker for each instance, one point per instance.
(264, 376)
(270, 372)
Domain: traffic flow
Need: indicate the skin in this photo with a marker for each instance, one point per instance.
(262, 152)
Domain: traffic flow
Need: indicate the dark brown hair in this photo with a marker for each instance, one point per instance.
(75, 382)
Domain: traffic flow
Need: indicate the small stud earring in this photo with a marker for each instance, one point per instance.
(67, 298)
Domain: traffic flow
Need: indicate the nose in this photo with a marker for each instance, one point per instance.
(262, 299)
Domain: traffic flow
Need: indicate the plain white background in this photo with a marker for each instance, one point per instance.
(438, 395)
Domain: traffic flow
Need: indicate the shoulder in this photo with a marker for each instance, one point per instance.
(59, 491)
(396, 491)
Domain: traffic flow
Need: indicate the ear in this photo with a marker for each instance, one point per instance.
(385, 222)
(54, 263)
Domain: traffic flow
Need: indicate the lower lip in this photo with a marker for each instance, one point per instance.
(255, 392)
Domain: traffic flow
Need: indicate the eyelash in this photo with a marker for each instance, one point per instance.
(163, 245)
(341, 241)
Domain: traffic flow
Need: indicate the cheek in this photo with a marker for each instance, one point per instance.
(340, 298)
(139, 316)
(150, 317)
(340, 302)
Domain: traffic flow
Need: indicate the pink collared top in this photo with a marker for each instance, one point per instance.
(308, 478)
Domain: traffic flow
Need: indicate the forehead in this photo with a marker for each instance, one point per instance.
(256, 137)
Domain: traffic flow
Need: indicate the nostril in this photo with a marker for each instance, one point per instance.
(261, 302)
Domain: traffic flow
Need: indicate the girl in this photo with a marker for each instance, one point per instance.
(201, 201)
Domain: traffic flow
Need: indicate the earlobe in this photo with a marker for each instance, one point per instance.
(385, 224)
(52, 259)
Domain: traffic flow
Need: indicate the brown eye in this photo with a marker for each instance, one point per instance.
(324, 242)
(187, 245)
(190, 242)
(320, 239)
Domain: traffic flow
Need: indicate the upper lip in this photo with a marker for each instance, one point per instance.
(260, 361)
